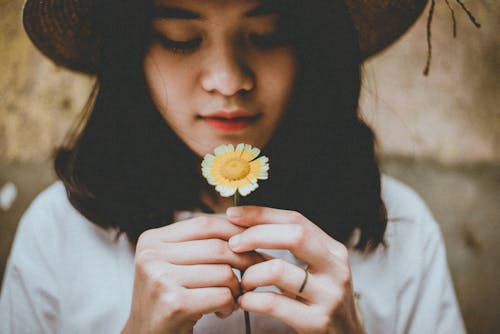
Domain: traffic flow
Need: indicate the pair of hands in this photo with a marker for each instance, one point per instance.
(184, 270)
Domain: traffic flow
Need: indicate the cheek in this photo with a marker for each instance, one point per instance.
(167, 82)
(155, 81)
(277, 77)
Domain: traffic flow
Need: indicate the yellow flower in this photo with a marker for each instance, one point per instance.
(235, 169)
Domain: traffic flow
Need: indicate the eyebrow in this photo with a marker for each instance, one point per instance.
(173, 12)
(264, 9)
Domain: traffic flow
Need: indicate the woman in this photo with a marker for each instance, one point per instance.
(98, 251)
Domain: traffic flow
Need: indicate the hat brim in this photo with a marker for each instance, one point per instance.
(380, 23)
(61, 29)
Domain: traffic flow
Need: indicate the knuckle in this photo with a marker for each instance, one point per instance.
(160, 278)
(226, 297)
(270, 303)
(227, 274)
(296, 217)
(143, 240)
(220, 248)
(141, 270)
(144, 255)
(298, 235)
(344, 277)
(343, 253)
(258, 212)
(157, 283)
(156, 275)
(278, 268)
(204, 222)
(174, 305)
(144, 266)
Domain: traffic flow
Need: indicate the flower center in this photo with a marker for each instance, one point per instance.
(235, 169)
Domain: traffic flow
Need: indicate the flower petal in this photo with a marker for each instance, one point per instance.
(208, 160)
(245, 190)
(223, 149)
(239, 148)
(225, 191)
(214, 169)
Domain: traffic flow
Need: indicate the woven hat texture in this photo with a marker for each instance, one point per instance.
(62, 29)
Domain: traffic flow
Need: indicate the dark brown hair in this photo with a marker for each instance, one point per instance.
(125, 168)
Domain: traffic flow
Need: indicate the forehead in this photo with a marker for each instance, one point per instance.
(201, 9)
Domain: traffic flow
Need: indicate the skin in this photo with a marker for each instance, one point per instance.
(227, 71)
(327, 300)
(183, 270)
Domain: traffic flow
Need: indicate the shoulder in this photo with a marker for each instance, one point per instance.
(51, 202)
(408, 272)
(51, 224)
(38, 222)
(411, 239)
(402, 202)
(49, 215)
(407, 213)
(412, 235)
(61, 266)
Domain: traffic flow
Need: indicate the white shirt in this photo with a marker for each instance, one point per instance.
(68, 275)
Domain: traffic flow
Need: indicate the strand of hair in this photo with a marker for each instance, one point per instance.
(471, 17)
(429, 44)
(453, 18)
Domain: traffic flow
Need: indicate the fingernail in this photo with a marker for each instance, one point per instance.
(234, 212)
(234, 241)
(239, 300)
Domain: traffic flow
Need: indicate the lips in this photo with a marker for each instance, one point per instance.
(230, 121)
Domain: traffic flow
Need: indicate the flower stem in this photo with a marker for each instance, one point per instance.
(248, 329)
(236, 198)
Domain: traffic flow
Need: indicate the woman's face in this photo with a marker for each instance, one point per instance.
(218, 72)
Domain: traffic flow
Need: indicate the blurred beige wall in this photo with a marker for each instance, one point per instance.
(453, 115)
(440, 134)
(38, 101)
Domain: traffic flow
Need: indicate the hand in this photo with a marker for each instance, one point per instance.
(182, 271)
(326, 305)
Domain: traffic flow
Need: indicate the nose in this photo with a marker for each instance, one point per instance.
(227, 72)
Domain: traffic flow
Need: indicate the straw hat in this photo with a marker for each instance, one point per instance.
(61, 28)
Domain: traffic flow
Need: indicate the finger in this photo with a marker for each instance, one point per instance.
(297, 315)
(284, 275)
(247, 216)
(198, 228)
(265, 255)
(299, 239)
(201, 301)
(205, 275)
(212, 251)
(250, 215)
(227, 313)
(223, 315)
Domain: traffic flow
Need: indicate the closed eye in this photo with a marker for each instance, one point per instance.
(178, 46)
